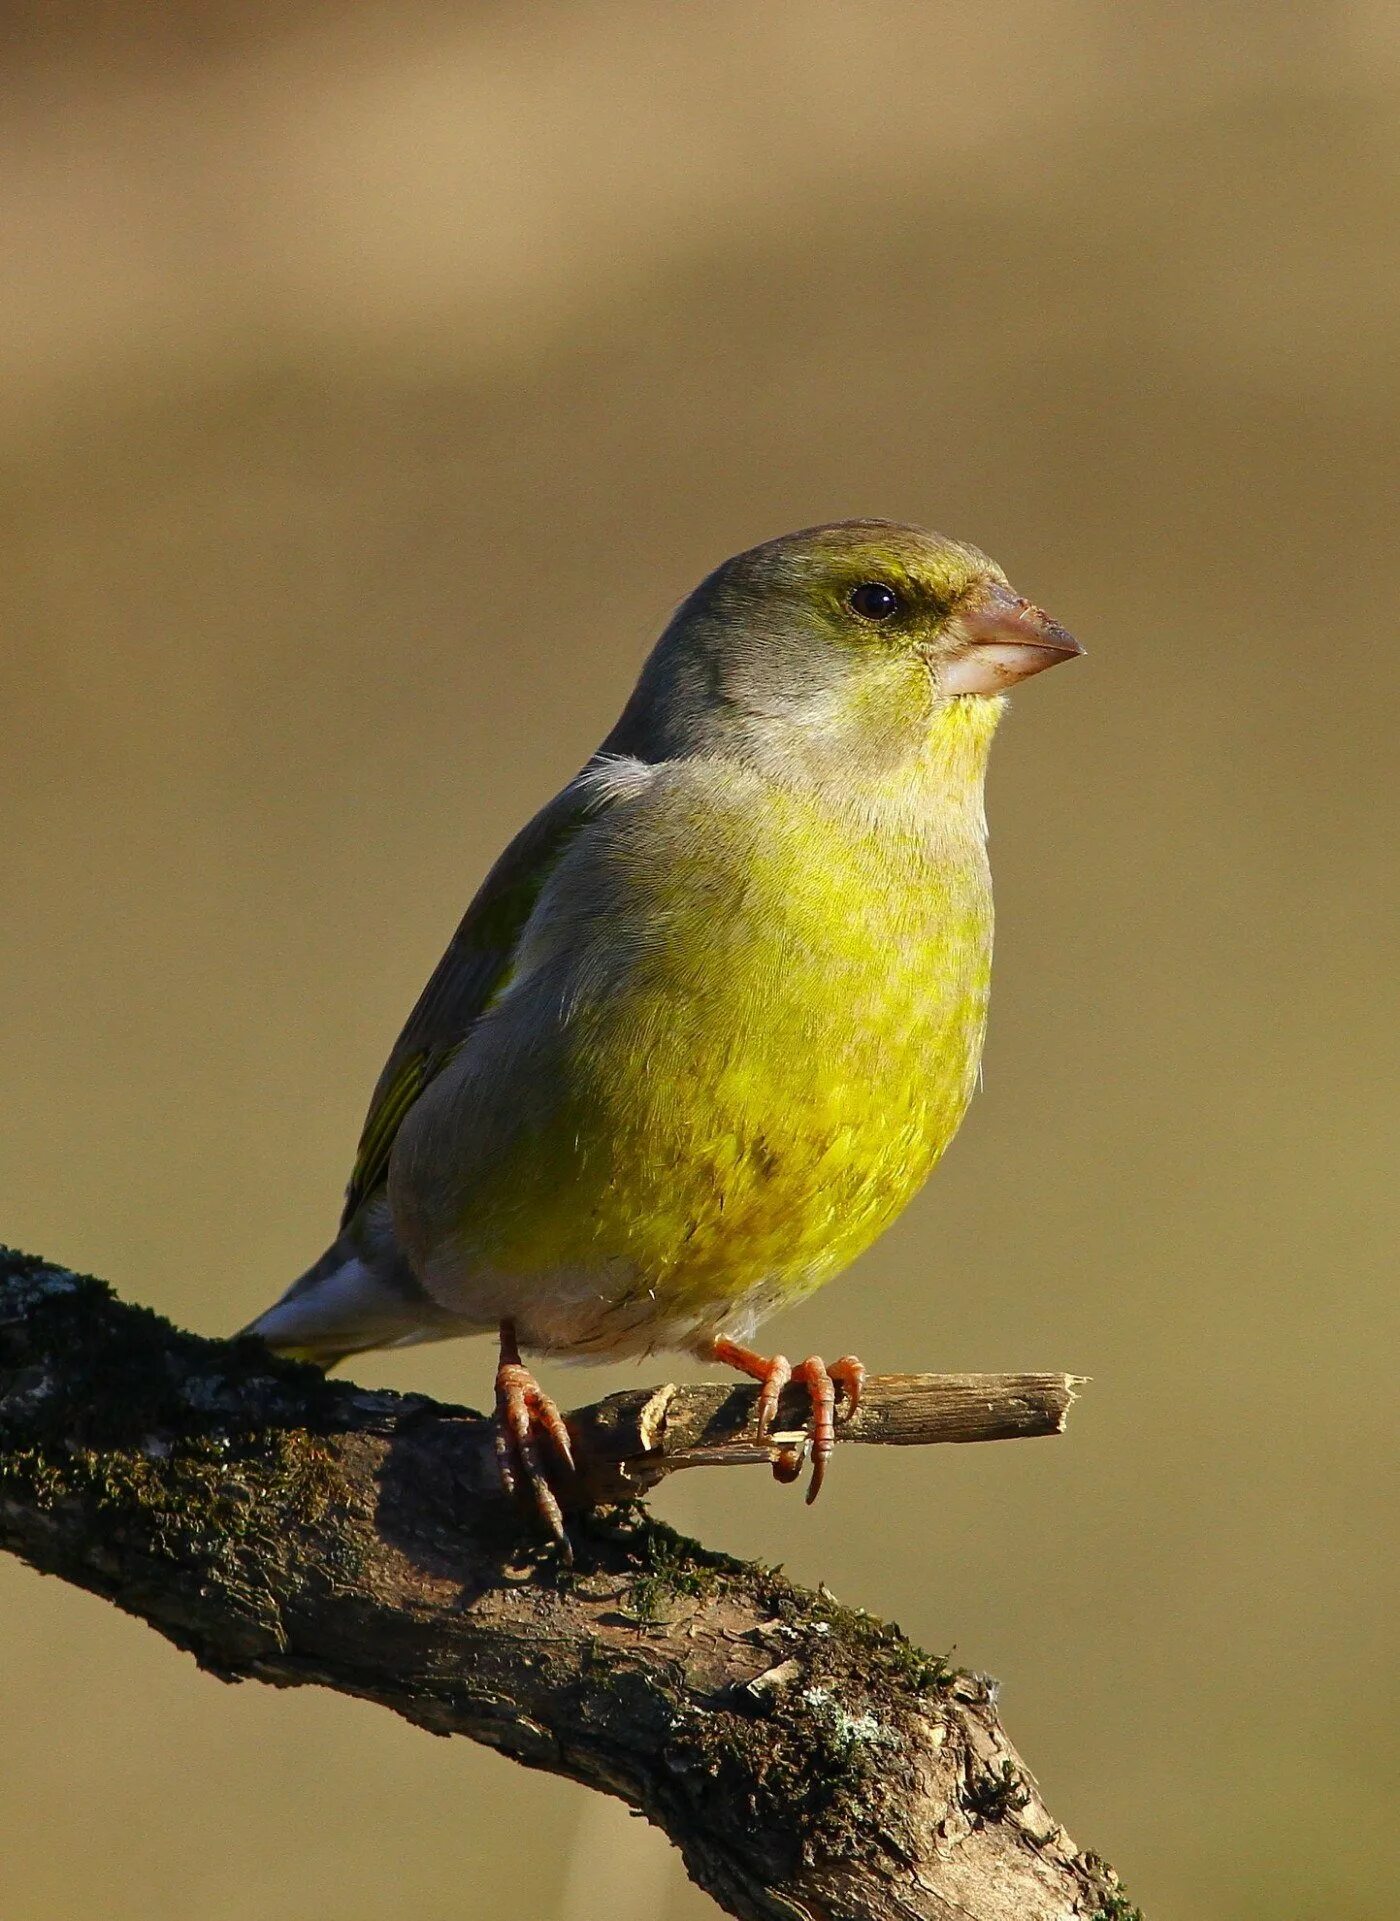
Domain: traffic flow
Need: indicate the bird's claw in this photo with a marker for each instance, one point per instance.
(773, 1373)
(525, 1415)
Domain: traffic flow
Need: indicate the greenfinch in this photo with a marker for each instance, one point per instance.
(716, 1012)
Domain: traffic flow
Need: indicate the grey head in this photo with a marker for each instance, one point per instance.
(835, 645)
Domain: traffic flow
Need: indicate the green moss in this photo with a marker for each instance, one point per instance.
(813, 1765)
(1106, 1890)
(822, 1754)
(886, 1652)
(1117, 1907)
(895, 1655)
(29, 1469)
(996, 1792)
(190, 1492)
(212, 1455)
(675, 1569)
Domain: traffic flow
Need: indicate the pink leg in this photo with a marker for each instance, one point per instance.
(523, 1412)
(820, 1382)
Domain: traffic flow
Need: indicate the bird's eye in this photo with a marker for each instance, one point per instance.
(873, 600)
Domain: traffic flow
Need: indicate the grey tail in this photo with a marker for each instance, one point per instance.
(349, 1301)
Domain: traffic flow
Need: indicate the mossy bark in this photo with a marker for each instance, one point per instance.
(806, 1759)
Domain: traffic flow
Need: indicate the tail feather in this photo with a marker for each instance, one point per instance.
(345, 1304)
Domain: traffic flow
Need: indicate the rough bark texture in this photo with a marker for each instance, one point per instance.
(808, 1761)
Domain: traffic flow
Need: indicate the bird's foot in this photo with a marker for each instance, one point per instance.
(773, 1372)
(525, 1416)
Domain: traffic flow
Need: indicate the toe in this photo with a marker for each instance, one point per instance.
(547, 1506)
(505, 1465)
(510, 1415)
(822, 1393)
(523, 1414)
(774, 1381)
(849, 1375)
(551, 1422)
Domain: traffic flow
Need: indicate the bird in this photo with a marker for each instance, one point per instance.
(715, 1013)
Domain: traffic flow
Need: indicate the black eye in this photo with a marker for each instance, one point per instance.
(873, 600)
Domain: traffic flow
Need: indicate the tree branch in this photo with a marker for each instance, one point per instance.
(809, 1762)
(631, 1441)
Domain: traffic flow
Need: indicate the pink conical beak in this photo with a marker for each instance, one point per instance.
(999, 638)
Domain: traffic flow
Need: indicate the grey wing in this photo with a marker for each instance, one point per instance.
(477, 964)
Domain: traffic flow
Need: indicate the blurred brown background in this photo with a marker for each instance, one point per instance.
(371, 382)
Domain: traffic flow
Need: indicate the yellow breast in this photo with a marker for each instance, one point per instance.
(761, 1066)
